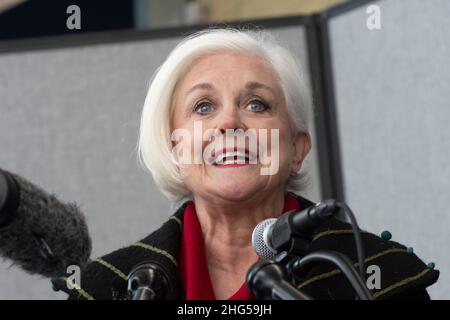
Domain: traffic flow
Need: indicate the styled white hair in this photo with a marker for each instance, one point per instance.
(155, 145)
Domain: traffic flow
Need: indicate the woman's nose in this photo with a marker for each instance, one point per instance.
(230, 119)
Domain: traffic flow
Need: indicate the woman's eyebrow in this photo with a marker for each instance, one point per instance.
(251, 85)
(202, 85)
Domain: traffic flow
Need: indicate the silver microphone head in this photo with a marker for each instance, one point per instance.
(260, 239)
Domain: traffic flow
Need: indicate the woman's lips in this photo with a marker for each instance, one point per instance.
(225, 150)
(231, 165)
(243, 156)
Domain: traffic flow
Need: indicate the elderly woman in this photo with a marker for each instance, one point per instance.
(215, 87)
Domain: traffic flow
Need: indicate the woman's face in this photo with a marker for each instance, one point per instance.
(226, 92)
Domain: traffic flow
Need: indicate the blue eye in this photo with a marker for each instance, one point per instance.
(259, 106)
(203, 107)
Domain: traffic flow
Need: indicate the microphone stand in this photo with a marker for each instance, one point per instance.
(271, 279)
(341, 261)
(292, 240)
(148, 281)
(266, 280)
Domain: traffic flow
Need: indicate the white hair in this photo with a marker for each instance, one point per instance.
(155, 145)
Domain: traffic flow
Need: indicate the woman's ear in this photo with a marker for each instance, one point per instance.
(301, 148)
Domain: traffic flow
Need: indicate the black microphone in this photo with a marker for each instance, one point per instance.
(271, 236)
(293, 231)
(148, 281)
(9, 198)
(267, 280)
(39, 233)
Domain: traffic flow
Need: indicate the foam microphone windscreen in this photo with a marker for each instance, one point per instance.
(41, 234)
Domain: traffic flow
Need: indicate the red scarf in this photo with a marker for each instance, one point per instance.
(193, 269)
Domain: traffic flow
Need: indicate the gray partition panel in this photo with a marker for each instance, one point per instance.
(69, 120)
(392, 102)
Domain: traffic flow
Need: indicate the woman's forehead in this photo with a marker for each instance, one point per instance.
(230, 60)
(235, 67)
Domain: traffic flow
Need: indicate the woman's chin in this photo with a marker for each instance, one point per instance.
(235, 190)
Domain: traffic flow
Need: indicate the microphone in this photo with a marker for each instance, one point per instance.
(148, 281)
(272, 235)
(39, 233)
(266, 280)
(293, 230)
(9, 198)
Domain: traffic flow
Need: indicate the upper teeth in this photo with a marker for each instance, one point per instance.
(230, 157)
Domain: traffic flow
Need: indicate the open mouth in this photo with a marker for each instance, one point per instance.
(237, 157)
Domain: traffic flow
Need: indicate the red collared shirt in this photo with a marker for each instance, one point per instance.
(193, 268)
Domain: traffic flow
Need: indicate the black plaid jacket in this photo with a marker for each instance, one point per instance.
(403, 274)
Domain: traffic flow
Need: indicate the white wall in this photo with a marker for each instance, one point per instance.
(392, 91)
